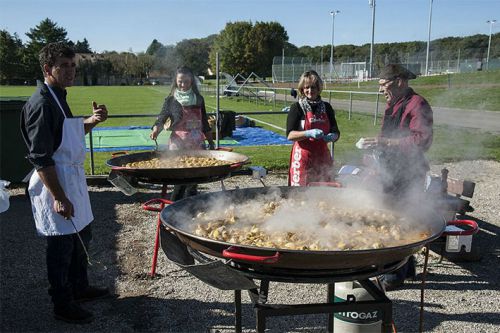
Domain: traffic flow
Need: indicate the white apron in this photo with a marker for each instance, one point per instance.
(69, 159)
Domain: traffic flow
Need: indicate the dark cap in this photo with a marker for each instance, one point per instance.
(393, 71)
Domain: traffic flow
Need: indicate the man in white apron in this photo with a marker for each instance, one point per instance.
(58, 189)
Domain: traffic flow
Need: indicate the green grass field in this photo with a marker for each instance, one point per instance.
(475, 90)
(449, 144)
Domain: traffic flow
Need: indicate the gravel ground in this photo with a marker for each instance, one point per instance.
(462, 293)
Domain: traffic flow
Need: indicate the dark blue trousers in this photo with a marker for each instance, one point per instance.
(67, 265)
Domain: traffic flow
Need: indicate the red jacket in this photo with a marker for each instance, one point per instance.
(415, 127)
(409, 120)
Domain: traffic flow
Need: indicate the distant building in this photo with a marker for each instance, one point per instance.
(88, 72)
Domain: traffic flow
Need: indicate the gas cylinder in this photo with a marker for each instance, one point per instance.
(355, 322)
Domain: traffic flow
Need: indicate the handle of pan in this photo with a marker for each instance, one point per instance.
(119, 168)
(225, 149)
(162, 202)
(237, 165)
(329, 184)
(472, 228)
(232, 253)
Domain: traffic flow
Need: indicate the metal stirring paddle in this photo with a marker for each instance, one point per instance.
(85, 249)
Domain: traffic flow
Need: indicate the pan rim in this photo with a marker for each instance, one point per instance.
(243, 159)
(172, 209)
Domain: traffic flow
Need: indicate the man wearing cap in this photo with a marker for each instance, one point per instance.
(405, 136)
(406, 133)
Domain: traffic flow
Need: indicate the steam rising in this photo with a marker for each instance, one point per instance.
(302, 218)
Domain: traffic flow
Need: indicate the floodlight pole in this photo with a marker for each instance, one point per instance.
(428, 40)
(217, 97)
(333, 13)
(372, 5)
(321, 62)
(490, 22)
(283, 65)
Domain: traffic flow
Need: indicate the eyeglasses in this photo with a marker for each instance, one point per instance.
(386, 84)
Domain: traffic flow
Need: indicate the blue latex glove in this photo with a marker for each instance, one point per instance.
(330, 137)
(314, 133)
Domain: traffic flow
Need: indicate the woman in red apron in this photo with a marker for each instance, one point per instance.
(311, 125)
(184, 111)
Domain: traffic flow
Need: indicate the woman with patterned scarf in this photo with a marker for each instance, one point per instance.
(311, 125)
(184, 112)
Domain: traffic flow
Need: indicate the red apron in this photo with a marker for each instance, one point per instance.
(310, 160)
(187, 133)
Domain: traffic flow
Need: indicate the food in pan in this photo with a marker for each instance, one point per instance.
(176, 162)
(296, 224)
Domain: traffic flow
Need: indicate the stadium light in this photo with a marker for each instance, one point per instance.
(428, 40)
(372, 5)
(333, 13)
(490, 22)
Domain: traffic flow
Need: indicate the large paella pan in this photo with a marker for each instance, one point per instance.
(182, 218)
(130, 165)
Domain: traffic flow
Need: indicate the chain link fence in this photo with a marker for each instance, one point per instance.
(289, 69)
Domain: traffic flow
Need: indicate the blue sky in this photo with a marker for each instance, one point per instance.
(124, 25)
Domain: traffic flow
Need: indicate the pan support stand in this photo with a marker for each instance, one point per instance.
(256, 172)
(154, 261)
(263, 310)
(223, 186)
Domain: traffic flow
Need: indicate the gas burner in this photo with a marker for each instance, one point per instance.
(237, 276)
(313, 276)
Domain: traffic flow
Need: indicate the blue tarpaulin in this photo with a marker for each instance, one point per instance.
(137, 138)
(257, 136)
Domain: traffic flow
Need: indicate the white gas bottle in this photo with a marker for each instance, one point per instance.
(355, 322)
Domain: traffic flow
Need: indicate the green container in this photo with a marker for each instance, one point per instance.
(13, 164)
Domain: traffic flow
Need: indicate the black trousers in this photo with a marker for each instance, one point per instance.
(67, 265)
(401, 176)
(183, 191)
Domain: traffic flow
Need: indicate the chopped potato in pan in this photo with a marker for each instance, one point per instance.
(176, 162)
(337, 228)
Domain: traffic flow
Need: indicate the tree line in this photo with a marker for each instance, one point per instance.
(243, 48)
